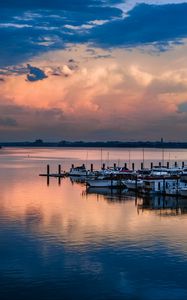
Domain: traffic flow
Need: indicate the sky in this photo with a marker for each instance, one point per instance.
(93, 70)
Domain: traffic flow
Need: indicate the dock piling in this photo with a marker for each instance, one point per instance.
(59, 169)
(48, 170)
(48, 173)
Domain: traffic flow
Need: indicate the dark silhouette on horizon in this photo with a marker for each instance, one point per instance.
(98, 144)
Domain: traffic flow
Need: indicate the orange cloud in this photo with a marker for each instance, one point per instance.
(116, 91)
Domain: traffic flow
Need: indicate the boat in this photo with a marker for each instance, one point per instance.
(112, 183)
(78, 171)
(159, 171)
(183, 192)
(133, 184)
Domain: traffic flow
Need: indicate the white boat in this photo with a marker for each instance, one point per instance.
(78, 171)
(133, 184)
(104, 183)
(159, 171)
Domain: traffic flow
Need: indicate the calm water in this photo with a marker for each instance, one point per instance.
(61, 241)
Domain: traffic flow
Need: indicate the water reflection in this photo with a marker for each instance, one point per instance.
(68, 242)
(163, 205)
(111, 195)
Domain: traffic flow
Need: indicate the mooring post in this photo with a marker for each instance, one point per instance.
(177, 186)
(114, 166)
(175, 163)
(182, 164)
(103, 168)
(136, 178)
(72, 166)
(91, 168)
(151, 165)
(168, 164)
(142, 166)
(160, 164)
(48, 170)
(164, 186)
(59, 169)
(133, 166)
(125, 165)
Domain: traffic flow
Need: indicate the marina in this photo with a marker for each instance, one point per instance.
(164, 180)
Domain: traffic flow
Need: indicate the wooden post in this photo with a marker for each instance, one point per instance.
(59, 173)
(177, 186)
(136, 178)
(125, 165)
(59, 169)
(48, 170)
(175, 163)
(164, 186)
(168, 164)
(91, 168)
(133, 166)
(182, 164)
(142, 165)
(103, 168)
(72, 166)
(48, 173)
(114, 165)
(151, 165)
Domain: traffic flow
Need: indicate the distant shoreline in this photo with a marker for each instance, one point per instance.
(109, 144)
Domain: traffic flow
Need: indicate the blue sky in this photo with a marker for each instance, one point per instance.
(31, 27)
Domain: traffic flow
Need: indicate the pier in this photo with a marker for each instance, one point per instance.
(157, 179)
(130, 166)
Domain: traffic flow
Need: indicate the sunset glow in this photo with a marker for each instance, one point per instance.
(96, 78)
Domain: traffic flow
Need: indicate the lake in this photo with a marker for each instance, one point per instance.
(59, 240)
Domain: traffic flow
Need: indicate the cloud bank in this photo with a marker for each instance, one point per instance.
(94, 68)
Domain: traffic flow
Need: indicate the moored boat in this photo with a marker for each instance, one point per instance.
(78, 171)
(183, 192)
(112, 183)
(133, 184)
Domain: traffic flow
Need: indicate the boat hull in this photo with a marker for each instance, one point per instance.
(104, 183)
(183, 192)
(133, 184)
